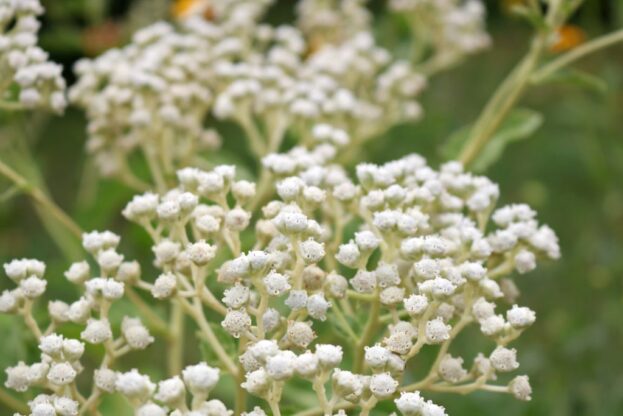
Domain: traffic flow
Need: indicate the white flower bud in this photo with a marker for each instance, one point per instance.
(134, 385)
(346, 384)
(61, 374)
(451, 369)
(171, 391)
(9, 301)
(492, 325)
(97, 331)
(437, 331)
(306, 365)
(135, 333)
(236, 323)
(300, 334)
(32, 287)
(79, 311)
(236, 296)
(164, 286)
(415, 305)
(317, 306)
(166, 251)
(58, 310)
(200, 252)
(387, 275)
(78, 272)
(51, 344)
(376, 357)
(65, 406)
(271, 319)
(392, 295)
(200, 378)
(276, 283)
(504, 359)
(280, 366)
(72, 349)
(348, 255)
(367, 241)
(525, 261)
(105, 379)
(336, 285)
(520, 317)
(399, 342)
(329, 356)
(364, 281)
(481, 309)
(129, 272)
(109, 260)
(312, 251)
(383, 385)
(520, 388)
(237, 219)
(18, 377)
(151, 409)
(410, 404)
(243, 191)
(257, 382)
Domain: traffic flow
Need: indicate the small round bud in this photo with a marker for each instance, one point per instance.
(61, 374)
(97, 331)
(520, 388)
(200, 378)
(236, 323)
(311, 251)
(164, 286)
(300, 334)
(437, 331)
(383, 385)
(504, 359)
(276, 283)
(78, 272)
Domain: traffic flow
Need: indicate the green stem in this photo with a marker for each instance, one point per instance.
(577, 53)
(41, 199)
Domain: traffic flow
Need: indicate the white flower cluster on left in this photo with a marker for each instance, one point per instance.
(25, 65)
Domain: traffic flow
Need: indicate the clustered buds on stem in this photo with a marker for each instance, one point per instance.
(24, 67)
(420, 260)
(423, 252)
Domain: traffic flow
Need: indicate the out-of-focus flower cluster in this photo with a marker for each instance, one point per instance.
(332, 21)
(156, 93)
(27, 78)
(444, 31)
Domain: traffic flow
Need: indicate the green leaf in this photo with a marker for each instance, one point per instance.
(520, 124)
(576, 78)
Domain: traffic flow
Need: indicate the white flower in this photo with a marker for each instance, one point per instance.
(200, 378)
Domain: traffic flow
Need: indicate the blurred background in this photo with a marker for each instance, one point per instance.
(570, 171)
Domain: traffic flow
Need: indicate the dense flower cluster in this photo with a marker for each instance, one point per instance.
(266, 79)
(272, 275)
(444, 30)
(23, 65)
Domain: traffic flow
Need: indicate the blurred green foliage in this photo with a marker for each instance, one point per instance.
(570, 169)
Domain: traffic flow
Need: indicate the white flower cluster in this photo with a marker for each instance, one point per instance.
(156, 93)
(332, 21)
(22, 63)
(169, 397)
(452, 28)
(60, 356)
(420, 254)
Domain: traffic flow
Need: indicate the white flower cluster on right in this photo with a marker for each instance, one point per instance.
(23, 64)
